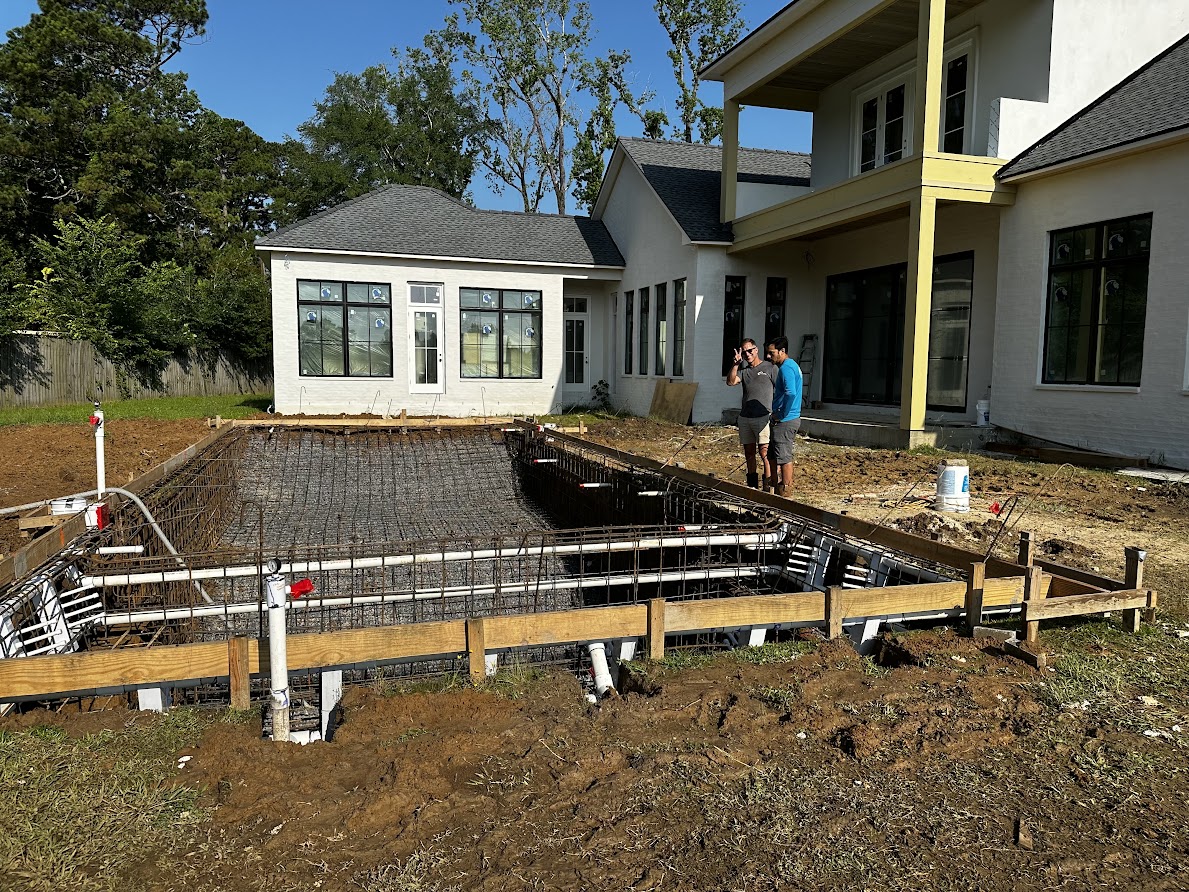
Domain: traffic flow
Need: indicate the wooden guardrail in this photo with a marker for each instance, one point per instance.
(239, 659)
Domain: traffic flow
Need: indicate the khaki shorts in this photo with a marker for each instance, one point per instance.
(753, 430)
(783, 435)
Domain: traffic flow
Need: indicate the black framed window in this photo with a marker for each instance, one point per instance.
(732, 320)
(1097, 302)
(643, 367)
(953, 125)
(679, 328)
(774, 309)
(662, 327)
(500, 332)
(344, 329)
(629, 323)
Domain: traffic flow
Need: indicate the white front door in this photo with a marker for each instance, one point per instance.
(427, 357)
(576, 361)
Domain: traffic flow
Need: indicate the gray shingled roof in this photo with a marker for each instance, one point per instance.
(1152, 101)
(686, 177)
(419, 220)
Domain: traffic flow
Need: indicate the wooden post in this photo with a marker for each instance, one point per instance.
(974, 596)
(241, 679)
(835, 608)
(476, 650)
(1027, 550)
(1133, 579)
(1033, 591)
(656, 629)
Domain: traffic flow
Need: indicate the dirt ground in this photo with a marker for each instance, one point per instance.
(939, 764)
(49, 460)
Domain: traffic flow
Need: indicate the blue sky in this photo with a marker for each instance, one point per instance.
(266, 62)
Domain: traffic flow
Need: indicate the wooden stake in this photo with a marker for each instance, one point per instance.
(974, 596)
(656, 629)
(835, 608)
(1134, 578)
(1027, 550)
(241, 679)
(1033, 591)
(476, 650)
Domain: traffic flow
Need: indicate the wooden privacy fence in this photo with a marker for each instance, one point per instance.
(240, 658)
(47, 369)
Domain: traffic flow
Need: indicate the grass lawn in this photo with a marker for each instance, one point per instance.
(162, 409)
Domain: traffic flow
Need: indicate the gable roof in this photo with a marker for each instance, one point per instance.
(1151, 101)
(420, 221)
(687, 176)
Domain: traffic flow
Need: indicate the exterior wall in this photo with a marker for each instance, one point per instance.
(714, 265)
(295, 394)
(1153, 419)
(1038, 62)
(960, 228)
(1012, 48)
(751, 197)
(655, 250)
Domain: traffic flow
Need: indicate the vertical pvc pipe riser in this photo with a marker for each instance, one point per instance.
(101, 474)
(278, 657)
(602, 672)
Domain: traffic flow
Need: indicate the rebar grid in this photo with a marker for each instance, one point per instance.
(400, 527)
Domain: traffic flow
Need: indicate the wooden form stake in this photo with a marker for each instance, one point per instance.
(1133, 579)
(241, 679)
(835, 609)
(1033, 591)
(1027, 550)
(476, 650)
(656, 629)
(974, 596)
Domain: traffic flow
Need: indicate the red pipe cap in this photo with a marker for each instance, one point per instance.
(301, 587)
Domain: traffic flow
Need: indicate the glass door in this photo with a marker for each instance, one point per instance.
(427, 361)
(576, 372)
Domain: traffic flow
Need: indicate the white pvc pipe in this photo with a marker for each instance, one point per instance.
(101, 473)
(158, 577)
(602, 673)
(278, 657)
(175, 613)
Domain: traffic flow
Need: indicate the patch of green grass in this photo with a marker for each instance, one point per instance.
(77, 809)
(515, 680)
(776, 652)
(1100, 664)
(782, 698)
(683, 658)
(437, 684)
(170, 408)
(572, 416)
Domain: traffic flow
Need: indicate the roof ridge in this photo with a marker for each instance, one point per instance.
(333, 208)
(706, 145)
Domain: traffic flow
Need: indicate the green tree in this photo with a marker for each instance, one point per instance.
(412, 125)
(700, 31)
(529, 61)
(87, 116)
(94, 287)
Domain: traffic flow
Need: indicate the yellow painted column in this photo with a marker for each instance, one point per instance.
(730, 159)
(915, 376)
(927, 101)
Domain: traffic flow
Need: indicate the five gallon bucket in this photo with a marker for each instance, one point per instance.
(982, 413)
(953, 486)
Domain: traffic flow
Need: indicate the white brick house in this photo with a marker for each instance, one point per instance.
(920, 263)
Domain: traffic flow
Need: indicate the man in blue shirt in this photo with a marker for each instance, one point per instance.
(786, 413)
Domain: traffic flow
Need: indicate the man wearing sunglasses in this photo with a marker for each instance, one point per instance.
(758, 377)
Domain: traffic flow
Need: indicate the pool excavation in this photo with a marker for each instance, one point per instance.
(440, 547)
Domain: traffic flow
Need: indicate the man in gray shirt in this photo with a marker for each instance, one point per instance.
(758, 377)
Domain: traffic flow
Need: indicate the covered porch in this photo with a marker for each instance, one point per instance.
(880, 429)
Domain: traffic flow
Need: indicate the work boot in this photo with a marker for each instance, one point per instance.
(768, 484)
(753, 479)
(778, 489)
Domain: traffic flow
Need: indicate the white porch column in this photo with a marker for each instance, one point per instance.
(915, 373)
(930, 41)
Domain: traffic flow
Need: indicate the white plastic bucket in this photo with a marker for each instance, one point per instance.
(982, 413)
(953, 487)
